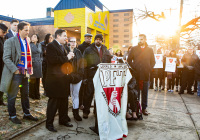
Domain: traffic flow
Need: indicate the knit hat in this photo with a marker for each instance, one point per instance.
(99, 36)
(3, 27)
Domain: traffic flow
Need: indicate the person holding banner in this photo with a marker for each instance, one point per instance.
(189, 59)
(95, 54)
(171, 75)
(141, 59)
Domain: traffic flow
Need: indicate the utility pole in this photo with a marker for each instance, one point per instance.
(180, 18)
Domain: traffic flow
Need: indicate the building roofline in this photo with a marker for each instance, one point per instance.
(121, 10)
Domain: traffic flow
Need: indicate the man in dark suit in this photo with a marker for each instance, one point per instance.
(3, 31)
(141, 59)
(13, 29)
(58, 80)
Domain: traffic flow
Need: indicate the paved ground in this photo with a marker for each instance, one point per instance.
(173, 117)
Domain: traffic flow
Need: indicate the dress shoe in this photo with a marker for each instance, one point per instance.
(30, 117)
(191, 93)
(3, 104)
(145, 112)
(51, 128)
(94, 130)
(181, 93)
(66, 124)
(85, 115)
(15, 120)
(68, 119)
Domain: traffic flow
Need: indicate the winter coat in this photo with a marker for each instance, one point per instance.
(37, 58)
(92, 59)
(142, 61)
(83, 46)
(78, 66)
(58, 70)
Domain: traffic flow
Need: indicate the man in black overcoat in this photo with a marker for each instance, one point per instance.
(58, 80)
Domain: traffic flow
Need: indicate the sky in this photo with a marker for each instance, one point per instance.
(37, 9)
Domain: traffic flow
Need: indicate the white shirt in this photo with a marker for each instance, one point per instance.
(14, 33)
(24, 44)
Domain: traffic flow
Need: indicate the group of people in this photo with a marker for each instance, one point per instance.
(185, 76)
(66, 68)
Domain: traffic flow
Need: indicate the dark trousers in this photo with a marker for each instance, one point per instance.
(151, 80)
(18, 81)
(34, 88)
(144, 93)
(187, 80)
(81, 94)
(54, 104)
(88, 96)
(179, 76)
(195, 85)
(1, 97)
(44, 71)
(171, 82)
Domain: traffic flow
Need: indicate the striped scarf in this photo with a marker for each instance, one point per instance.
(21, 64)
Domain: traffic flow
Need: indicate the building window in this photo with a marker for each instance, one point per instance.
(126, 14)
(126, 30)
(115, 31)
(126, 24)
(115, 25)
(115, 36)
(126, 41)
(115, 15)
(115, 20)
(126, 19)
(126, 36)
(115, 41)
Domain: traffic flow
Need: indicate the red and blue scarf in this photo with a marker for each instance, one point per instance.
(21, 65)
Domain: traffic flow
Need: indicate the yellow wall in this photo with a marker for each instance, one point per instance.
(83, 17)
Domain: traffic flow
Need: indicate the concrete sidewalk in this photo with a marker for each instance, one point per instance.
(173, 117)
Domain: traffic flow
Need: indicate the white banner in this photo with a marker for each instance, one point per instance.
(159, 61)
(198, 53)
(170, 64)
(180, 59)
(110, 82)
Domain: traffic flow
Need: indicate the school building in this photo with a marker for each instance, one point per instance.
(79, 17)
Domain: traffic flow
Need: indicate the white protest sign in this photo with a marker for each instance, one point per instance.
(170, 64)
(159, 61)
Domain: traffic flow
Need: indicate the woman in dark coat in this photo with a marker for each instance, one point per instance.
(48, 39)
(36, 53)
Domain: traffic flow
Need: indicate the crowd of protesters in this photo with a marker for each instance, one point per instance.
(65, 68)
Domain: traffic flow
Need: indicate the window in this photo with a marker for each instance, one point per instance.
(115, 36)
(126, 30)
(126, 41)
(126, 24)
(115, 31)
(115, 20)
(126, 19)
(115, 41)
(126, 36)
(115, 25)
(115, 15)
(126, 14)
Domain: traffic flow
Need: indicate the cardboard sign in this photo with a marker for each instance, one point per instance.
(159, 61)
(170, 64)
